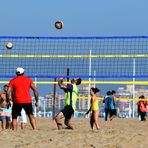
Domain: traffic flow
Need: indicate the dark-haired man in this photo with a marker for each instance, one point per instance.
(71, 91)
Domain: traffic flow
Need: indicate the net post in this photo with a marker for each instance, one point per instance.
(54, 96)
(68, 72)
(35, 108)
(89, 85)
(133, 101)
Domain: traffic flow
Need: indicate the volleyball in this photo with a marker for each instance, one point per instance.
(9, 45)
(59, 25)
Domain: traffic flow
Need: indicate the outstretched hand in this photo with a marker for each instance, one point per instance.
(36, 104)
(86, 115)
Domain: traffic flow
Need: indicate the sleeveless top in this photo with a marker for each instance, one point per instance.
(71, 95)
(95, 105)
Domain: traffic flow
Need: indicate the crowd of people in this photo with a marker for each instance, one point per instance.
(16, 103)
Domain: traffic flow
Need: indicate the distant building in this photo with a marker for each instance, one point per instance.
(83, 100)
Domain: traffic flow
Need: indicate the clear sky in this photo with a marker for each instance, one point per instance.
(81, 17)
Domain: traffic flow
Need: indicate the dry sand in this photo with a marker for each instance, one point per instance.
(120, 133)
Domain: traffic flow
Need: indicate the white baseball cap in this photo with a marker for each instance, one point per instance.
(20, 70)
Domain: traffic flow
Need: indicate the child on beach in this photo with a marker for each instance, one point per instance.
(22, 119)
(142, 108)
(94, 108)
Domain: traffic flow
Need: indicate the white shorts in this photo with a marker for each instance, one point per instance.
(23, 117)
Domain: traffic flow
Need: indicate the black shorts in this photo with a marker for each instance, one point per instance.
(17, 108)
(68, 111)
(112, 112)
(143, 116)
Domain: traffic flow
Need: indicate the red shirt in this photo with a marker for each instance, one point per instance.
(143, 106)
(21, 89)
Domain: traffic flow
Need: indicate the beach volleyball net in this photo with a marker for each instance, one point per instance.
(101, 61)
(111, 58)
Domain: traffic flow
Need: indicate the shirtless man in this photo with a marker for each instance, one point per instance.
(5, 109)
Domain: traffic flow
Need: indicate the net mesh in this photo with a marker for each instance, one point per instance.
(43, 57)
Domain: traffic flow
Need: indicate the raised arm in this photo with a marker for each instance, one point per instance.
(61, 84)
(8, 94)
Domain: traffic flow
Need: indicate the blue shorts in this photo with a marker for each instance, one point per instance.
(7, 118)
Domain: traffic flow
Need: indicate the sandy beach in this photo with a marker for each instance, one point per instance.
(120, 133)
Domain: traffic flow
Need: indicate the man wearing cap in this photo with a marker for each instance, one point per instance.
(20, 88)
